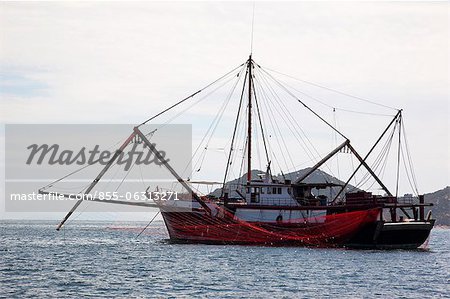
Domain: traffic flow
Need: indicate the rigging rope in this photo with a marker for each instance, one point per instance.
(301, 102)
(191, 96)
(334, 90)
(294, 124)
(148, 224)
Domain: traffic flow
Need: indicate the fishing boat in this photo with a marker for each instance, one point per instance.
(260, 208)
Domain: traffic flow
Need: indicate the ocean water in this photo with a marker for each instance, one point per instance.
(102, 259)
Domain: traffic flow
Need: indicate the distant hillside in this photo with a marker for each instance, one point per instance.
(441, 208)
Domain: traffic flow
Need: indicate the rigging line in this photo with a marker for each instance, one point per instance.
(126, 175)
(362, 161)
(71, 173)
(219, 116)
(260, 122)
(192, 95)
(383, 160)
(383, 155)
(353, 168)
(209, 128)
(118, 168)
(234, 131)
(294, 125)
(410, 161)
(198, 101)
(307, 150)
(382, 170)
(258, 153)
(202, 140)
(398, 153)
(315, 159)
(365, 113)
(274, 129)
(148, 224)
(229, 141)
(265, 101)
(241, 170)
(241, 135)
(287, 114)
(408, 176)
(253, 22)
(281, 135)
(378, 160)
(334, 90)
(264, 97)
(241, 148)
(216, 121)
(335, 142)
(330, 106)
(306, 106)
(78, 170)
(142, 177)
(386, 146)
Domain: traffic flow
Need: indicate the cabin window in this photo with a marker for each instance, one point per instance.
(289, 190)
(247, 190)
(262, 190)
(279, 190)
(269, 190)
(274, 190)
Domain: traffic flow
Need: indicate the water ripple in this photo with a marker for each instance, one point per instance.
(106, 260)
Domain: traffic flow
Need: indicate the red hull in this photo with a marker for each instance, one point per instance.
(225, 228)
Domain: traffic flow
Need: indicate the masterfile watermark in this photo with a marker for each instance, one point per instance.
(48, 167)
(52, 154)
(97, 196)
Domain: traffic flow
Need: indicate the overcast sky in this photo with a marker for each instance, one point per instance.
(122, 62)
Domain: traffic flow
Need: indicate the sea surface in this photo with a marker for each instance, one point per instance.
(101, 259)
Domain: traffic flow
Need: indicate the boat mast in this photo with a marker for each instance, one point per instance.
(249, 126)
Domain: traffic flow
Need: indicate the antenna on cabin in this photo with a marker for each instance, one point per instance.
(253, 22)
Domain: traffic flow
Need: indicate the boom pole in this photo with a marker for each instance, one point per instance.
(97, 179)
(364, 163)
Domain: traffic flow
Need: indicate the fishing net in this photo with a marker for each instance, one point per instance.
(226, 228)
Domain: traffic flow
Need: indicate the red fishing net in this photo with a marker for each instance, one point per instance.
(226, 228)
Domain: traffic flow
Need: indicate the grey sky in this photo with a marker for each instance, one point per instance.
(83, 62)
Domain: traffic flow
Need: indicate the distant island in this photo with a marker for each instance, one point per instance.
(441, 208)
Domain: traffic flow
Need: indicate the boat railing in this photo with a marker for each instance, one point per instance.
(407, 199)
(278, 201)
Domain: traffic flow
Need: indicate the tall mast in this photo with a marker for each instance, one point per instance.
(249, 126)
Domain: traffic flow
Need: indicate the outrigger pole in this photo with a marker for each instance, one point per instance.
(363, 161)
(325, 159)
(97, 179)
(152, 147)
